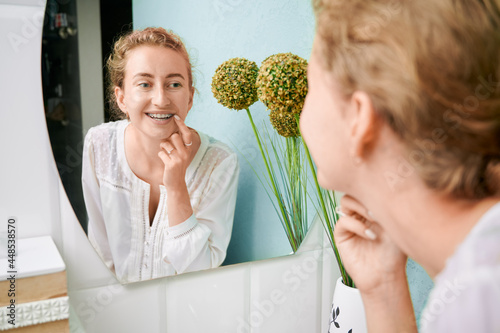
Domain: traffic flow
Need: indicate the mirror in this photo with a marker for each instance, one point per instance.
(213, 31)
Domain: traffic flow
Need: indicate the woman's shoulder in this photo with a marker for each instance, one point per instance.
(468, 283)
(106, 131)
(216, 153)
(479, 250)
(216, 147)
(483, 238)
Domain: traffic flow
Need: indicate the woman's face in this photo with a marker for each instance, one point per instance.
(155, 88)
(323, 126)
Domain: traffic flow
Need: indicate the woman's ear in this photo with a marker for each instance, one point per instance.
(364, 125)
(119, 99)
(191, 97)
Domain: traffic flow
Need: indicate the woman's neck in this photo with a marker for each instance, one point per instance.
(427, 226)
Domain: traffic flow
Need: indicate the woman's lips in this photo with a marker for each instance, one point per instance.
(160, 118)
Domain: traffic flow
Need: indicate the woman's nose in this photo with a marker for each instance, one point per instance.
(160, 97)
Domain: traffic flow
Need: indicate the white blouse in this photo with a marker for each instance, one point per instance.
(466, 295)
(117, 204)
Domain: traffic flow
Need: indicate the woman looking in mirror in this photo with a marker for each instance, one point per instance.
(404, 117)
(160, 196)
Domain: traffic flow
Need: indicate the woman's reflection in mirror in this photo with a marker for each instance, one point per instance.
(160, 196)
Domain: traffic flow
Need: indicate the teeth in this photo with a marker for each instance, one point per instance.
(159, 116)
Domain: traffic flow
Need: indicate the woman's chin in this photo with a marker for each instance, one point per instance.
(325, 181)
(162, 133)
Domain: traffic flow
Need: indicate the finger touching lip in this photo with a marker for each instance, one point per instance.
(184, 130)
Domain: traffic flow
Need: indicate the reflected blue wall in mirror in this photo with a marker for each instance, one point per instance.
(215, 31)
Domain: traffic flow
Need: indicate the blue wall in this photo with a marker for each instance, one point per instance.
(215, 31)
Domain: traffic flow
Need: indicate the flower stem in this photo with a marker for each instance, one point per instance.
(271, 178)
(327, 223)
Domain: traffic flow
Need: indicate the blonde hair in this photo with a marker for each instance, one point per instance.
(431, 69)
(118, 59)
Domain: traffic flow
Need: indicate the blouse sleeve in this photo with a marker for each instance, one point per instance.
(201, 241)
(96, 229)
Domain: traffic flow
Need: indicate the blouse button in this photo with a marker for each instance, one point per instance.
(146, 265)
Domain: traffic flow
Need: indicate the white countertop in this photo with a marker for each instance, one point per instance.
(34, 256)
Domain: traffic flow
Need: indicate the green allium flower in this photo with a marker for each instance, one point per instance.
(284, 123)
(233, 83)
(282, 82)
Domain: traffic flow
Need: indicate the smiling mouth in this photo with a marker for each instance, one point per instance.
(159, 116)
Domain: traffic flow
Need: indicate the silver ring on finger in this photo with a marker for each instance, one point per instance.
(170, 151)
(188, 144)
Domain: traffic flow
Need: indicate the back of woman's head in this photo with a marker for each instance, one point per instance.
(431, 69)
(118, 59)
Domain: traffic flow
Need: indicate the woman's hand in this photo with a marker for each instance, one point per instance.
(378, 268)
(369, 255)
(176, 154)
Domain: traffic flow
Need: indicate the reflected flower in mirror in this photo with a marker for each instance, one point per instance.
(236, 85)
(233, 84)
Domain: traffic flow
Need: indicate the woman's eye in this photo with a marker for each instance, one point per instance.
(144, 85)
(175, 85)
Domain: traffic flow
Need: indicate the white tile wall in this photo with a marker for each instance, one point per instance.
(116, 308)
(285, 294)
(210, 301)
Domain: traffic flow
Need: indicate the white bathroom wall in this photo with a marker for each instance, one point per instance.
(28, 178)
